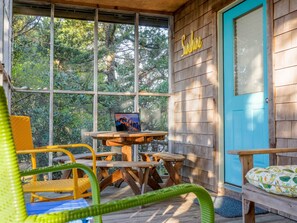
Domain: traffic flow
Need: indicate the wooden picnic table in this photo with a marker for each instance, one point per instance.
(126, 139)
(125, 172)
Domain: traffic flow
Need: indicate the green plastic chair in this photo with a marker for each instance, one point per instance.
(12, 203)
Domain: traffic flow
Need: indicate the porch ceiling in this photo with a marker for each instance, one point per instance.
(149, 6)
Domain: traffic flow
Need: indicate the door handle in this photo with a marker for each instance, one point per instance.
(266, 100)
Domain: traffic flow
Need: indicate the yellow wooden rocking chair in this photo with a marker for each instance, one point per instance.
(76, 186)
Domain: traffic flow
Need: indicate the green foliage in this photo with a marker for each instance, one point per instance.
(73, 70)
(153, 53)
(72, 113)
(37, 107)
(31, 46)
(153, 112)
(73, 54)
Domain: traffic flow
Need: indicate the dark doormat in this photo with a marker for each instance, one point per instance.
(229, 207)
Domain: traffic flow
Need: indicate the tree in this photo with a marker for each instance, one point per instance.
(73, 70)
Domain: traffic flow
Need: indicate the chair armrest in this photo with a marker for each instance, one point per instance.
(68, 153)
(246, 157)
(71, 156)
(262, 151)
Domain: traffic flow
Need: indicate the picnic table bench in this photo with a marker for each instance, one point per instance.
(125, 171)
(172, 163)
(107, 156)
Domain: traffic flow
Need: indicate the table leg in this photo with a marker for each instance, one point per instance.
(103, 173)
(153, 171)
(129, 180)
(108, 158)
(115, 176)
(127, 153)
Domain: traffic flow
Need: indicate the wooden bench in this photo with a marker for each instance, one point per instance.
(172, 163)
(252, 194)
(107, 156)
(126, 173)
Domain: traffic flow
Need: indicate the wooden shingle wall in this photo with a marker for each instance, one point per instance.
(196, 79)
(285, 75)
(194, 86)
(195, 93)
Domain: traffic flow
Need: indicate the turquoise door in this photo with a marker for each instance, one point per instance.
(245, 84)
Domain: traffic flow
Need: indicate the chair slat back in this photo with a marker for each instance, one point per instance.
(12, 205)
(22, 132)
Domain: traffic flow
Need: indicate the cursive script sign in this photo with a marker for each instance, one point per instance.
(192, 45)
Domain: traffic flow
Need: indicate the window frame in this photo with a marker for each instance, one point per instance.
(95, 93)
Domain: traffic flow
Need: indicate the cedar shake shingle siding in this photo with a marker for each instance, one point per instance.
(285, 75)
(196, 79)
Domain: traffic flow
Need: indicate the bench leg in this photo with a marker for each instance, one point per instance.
(153, 172)
(118, 183)
(144, 180)
(248, 210)
(173, 171)
(153, 184)
(146, 177)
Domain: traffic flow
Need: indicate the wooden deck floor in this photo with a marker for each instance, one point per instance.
(178, 210)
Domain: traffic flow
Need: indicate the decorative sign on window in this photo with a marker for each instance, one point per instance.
(192, 45)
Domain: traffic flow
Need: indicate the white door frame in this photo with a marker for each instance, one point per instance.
(220, 136)
(220, 128)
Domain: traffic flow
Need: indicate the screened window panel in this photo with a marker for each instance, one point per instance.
(73, 116)
(153, 59)
(108, 105)
(31, 52)
(73, 54)
(154, 117)
(248, 56)
(153, 111)
(74, 70)
(36, 106)
(116, 57)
